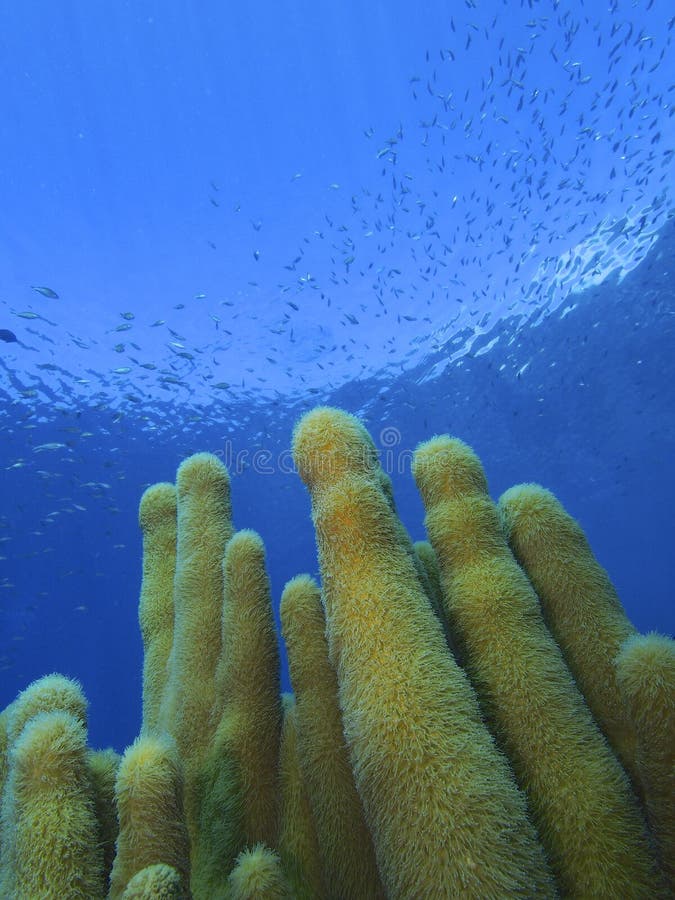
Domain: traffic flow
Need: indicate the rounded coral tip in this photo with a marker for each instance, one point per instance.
(446, 467)
(328, 444)
(202, 472)
(158, 504)
(530, 511)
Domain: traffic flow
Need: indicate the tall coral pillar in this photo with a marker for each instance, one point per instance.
(580, 797)
(445, 814)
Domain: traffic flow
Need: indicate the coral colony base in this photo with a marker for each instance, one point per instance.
(472, 717)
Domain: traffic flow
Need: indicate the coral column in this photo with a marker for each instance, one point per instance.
(580, 797)
(446, 817)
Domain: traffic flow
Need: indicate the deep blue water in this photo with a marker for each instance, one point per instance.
(441, 222)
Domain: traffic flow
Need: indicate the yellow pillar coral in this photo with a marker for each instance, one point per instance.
(580, 797)
(258, 875)
(579, 602)
(247, 684)
(212, 679)
(157, 518)
(238, 781)
(204, 522)
(48, 694)
(181, 686)
(50, 836)
(298, 843)
(103, 767)
(345, 843)
(646, 677)
(156, 882)
(149, 802)
(445, 814)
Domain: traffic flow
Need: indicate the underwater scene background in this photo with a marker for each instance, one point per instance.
(449, 218)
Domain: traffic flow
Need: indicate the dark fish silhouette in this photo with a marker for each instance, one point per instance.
(7, 336)
(45, 291)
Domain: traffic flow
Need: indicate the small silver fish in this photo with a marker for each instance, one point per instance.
(50, 446)
(45, 291)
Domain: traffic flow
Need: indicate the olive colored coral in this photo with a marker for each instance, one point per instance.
(446, 736)
(446, 816)
(580, 797)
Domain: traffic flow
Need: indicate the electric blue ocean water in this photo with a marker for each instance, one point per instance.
(441, 217)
